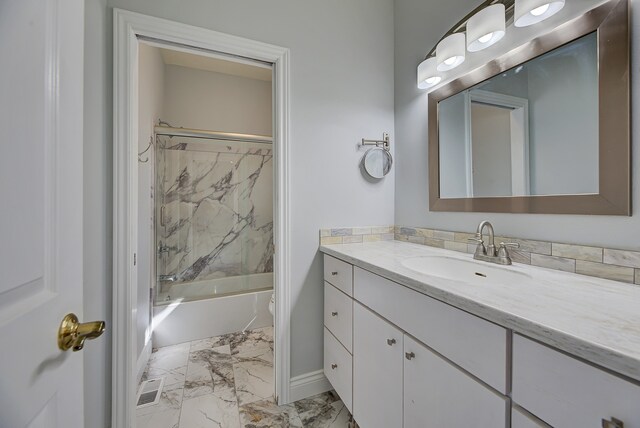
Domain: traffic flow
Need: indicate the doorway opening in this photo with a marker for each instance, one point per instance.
(201, 296)
(205, 232)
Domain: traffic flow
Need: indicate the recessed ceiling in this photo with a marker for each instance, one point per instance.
(217, 65)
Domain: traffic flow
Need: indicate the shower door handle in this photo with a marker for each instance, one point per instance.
(162, 215)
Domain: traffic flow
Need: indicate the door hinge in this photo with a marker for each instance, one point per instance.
(134, 259)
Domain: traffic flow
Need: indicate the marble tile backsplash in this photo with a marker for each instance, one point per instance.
(608, 263)
(352, 235)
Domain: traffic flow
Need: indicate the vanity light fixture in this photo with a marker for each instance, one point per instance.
(428, 73)
(450, 52)
(529, 12)
(486, 27)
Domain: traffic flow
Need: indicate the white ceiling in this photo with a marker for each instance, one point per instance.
(218, 65)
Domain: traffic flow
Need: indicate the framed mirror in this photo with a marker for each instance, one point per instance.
(543, 129)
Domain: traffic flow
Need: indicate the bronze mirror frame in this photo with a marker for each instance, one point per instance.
(611, 21)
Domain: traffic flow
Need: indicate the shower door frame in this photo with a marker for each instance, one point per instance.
(129, 27)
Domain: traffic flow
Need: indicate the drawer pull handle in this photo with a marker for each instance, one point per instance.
(391, 342)
(409, 355)
(334, 366)
(334, 273)
(334, 314)
(613, 423)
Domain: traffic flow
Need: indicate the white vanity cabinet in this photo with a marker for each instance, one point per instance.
(566, 392)
(399, 358)
(377, 370)
(438, 394)
(338, 327)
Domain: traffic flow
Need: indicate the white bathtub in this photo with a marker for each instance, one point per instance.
(201, 309)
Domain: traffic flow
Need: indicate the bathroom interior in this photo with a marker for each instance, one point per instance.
(424, 325)
(320, 214)
(205, 234)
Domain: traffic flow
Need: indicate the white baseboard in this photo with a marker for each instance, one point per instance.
(308, 384)
(143, 359)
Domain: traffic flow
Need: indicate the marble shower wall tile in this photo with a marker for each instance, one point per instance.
(608, 263)
(218, 208)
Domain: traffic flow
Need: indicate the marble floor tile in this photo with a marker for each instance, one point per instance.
(160, 419)
(317, 401)
(267, 414)
(253, 372)
(210, 411)
(334, 415)
(169, 362)
(260, 338)
(209, 343)
(208, 371)
(323, 411)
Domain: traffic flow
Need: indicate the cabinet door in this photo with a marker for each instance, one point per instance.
(438, 394)
(377, 371)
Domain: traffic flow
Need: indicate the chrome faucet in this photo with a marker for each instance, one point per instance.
(488, 253)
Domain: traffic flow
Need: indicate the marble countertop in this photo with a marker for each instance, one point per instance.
(595, 319)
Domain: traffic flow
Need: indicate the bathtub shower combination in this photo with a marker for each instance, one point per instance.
(214, 234)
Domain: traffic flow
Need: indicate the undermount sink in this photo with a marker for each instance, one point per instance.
(472, 272)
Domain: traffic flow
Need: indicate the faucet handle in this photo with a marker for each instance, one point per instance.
(502, 251)
(509, 244)
(475, 239)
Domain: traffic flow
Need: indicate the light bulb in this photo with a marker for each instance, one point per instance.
(427, 73)
(486, 28)
(432, 80)
(530, 12)
(450, 52)
(540, 10)
(485, 38)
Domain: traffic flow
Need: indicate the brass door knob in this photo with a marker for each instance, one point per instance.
(72, 334)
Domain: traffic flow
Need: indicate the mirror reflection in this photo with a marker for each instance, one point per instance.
(532, 130)
(377, 162)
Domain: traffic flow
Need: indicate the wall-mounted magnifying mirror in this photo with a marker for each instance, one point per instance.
(377, 162)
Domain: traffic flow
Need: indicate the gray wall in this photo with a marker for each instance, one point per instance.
(418, 26)
(98, 206)
(215, 101)
(150, 109)
(341, 91)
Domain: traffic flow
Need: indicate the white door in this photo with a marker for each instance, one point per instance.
(438, 394)
(377, 371)
(41, 93)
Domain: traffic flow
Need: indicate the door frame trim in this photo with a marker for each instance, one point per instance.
(128, 26)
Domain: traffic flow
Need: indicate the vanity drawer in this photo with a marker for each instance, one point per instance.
(339, 274)
(338, 368)
(338, 314)
(566, 392)
(476, 345)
